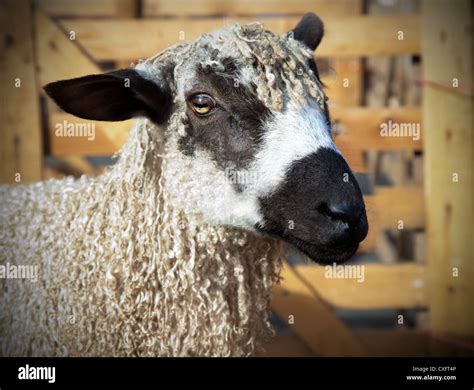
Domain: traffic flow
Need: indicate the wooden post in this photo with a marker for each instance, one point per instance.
(21, 145)
(448, 138)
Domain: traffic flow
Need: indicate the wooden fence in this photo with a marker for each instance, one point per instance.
(66, 39)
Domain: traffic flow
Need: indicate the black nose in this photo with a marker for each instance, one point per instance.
(319, 208)
(345, 211)
(348, 221)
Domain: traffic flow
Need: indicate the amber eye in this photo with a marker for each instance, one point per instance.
(202, 104)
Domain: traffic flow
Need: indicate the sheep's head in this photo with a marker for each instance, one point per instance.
(247, 133)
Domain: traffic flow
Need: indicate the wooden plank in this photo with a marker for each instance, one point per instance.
(345, 83)
(314, 322)
(400, 286)
(370, 242)
(60, 58)
(242, 7)
(21, 148)
(449, 144)
(94, 8)
(354, 158)
(345, 37)
(361, 127)
(101, 145)
(390, 205)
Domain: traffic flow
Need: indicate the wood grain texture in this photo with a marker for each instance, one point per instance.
(361, 127)
(400, 286)
(21, 150)
(449, 144)
(314, 321)
(390, 205)
(243, 7)
(94, 8)
(112, 39)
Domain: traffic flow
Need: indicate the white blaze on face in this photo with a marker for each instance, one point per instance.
(290, 136)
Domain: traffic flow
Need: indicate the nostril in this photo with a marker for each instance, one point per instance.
(347, 212)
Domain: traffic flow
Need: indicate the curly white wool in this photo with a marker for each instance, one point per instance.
(122, 272)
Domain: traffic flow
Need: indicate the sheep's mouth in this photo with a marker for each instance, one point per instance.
(323, 254)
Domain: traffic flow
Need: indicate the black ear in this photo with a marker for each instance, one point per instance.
(309, 30)
(113, 96)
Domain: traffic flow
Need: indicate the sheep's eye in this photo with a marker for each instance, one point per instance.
(202, 104)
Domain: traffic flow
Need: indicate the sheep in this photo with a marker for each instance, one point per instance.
(174, 250)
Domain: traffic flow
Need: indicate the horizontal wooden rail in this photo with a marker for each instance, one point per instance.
(361, 128)
(114, 8)
(390, 205)
(125, 39)
(94, 8)
(101, 144)
(401, 286)
(243, 7)
(391, 208)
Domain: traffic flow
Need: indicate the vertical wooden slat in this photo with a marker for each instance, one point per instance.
(448, 121)
(21, 144)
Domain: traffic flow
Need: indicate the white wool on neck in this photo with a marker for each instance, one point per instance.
(123, 272)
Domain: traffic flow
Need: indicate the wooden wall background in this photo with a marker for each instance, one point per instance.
(361, 46)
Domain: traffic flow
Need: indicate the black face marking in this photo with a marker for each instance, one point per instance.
(186, 144)
(232, 133)
(319, 208)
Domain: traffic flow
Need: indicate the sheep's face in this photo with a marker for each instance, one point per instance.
(247, 134)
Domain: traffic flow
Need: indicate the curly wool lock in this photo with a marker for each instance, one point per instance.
(126, 268)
